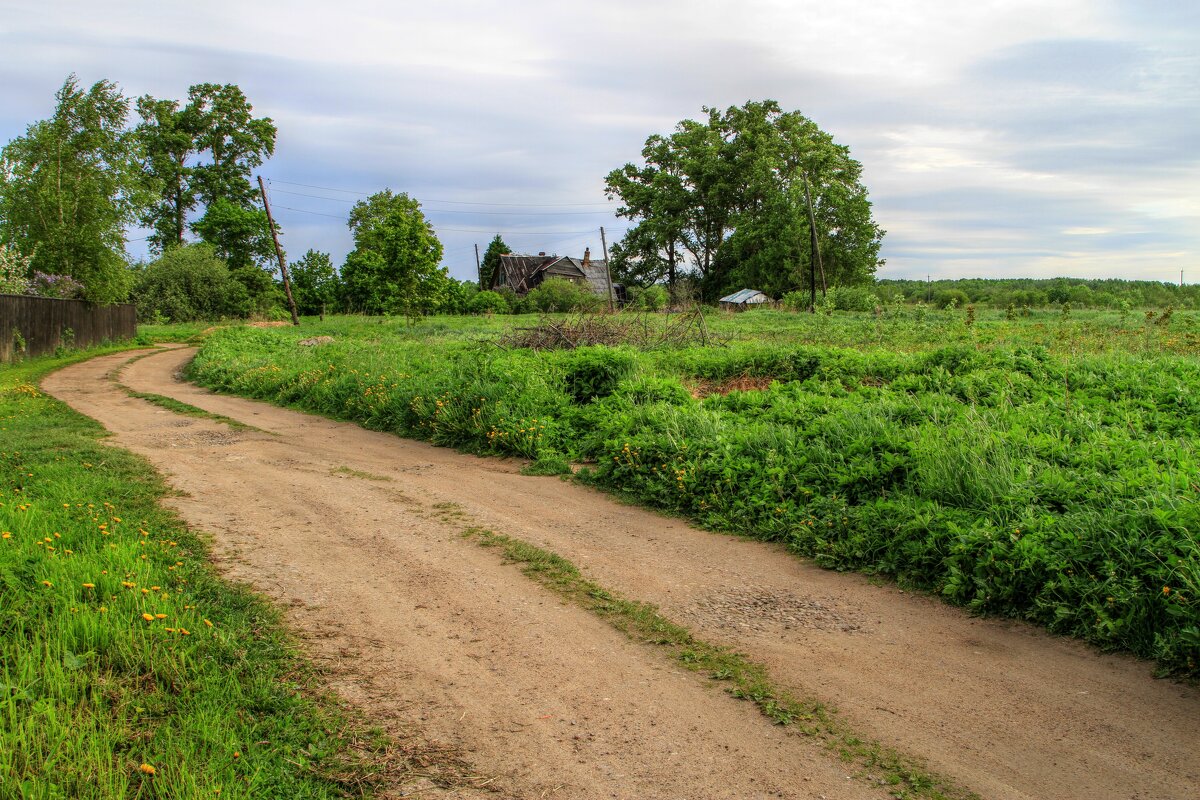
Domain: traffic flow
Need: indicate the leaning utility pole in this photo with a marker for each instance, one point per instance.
(812, 229)
(479, 269)
(607, 270)
(287, 282)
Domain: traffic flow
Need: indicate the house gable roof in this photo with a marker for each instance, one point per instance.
(521, 271)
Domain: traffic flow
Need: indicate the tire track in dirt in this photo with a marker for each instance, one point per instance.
(1004, 708)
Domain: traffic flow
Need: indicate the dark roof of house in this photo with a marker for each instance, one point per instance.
(520, 271)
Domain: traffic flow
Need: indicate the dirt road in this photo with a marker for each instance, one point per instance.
(342, 527)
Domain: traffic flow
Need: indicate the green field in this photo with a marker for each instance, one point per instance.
(1042, 467)
(128, 668)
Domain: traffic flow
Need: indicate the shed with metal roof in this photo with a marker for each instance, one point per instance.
(746, 298)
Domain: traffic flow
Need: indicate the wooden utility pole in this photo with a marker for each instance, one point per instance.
(812, 229)
(612, 306)
(479, 269)
(287, 281)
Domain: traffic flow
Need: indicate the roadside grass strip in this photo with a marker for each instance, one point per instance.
(128, 667)
(743, 678)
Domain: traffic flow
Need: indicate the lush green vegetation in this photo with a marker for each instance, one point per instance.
(1043, 468)
(127, 667)
(1033, 293)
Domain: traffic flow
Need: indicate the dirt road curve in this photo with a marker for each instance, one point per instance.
(340, 525)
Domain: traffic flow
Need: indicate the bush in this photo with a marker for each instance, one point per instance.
(852, 298)
(190, 283)
(560, 294)
(488, 302)
(950, 298)
(595, 372)
(795, 301)
(63, 287)
(838, 298)
(651, 298)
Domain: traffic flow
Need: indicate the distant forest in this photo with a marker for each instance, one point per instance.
(1036, 293)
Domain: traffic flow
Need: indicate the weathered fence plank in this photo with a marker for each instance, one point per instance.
(31, 326)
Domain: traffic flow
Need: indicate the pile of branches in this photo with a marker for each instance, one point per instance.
(645, 331)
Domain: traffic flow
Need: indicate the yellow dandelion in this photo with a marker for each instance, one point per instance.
(209, 624)
(146, 768)
(160, 616)
(148, 617)
(47, 583)
(89, 586)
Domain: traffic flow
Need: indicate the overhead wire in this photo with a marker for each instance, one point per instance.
(431, 200)
(456, 230)
(454, 211)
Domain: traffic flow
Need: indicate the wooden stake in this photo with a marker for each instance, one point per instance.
(607, 270)
(287, 282)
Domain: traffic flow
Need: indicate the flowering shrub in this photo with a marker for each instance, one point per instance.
(14, 271)
(64, 287)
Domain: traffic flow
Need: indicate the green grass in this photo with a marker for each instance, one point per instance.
(207, 691)
(1041, 468)
(743, 678)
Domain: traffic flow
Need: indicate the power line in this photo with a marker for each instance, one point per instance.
(457, 230)
(449, 202)
(452, 211)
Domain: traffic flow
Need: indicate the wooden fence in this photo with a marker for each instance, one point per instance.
(31, 326)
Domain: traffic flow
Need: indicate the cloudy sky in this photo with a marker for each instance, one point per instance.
(998, 137)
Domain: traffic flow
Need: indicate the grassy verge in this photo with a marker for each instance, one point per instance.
(745, 679)
(128, 668)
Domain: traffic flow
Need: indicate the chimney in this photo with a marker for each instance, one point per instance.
(587, 256)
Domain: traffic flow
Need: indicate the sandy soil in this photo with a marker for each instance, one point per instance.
(342, 526)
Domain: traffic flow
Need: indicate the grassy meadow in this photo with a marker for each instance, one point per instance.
(1042, 467)
(128, 668)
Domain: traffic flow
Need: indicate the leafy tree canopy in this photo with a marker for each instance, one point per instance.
(68, 188)
(724, 199)
(314, 282)
(394, 266)
(202, 154)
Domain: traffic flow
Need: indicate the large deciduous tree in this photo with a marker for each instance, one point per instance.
(732, 194)
(201, 156)
(394, 266)
(68, 188)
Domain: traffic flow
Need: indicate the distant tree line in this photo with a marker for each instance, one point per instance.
(1099, 293)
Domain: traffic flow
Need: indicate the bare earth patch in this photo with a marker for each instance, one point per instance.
(429, 632)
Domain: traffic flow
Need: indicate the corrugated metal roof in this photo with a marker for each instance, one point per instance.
(746, 296)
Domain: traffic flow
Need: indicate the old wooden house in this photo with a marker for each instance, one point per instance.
(524, 273)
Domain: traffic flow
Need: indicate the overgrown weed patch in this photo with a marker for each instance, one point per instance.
(1024, 468)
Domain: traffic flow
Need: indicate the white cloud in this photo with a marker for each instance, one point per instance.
(1004, 135)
